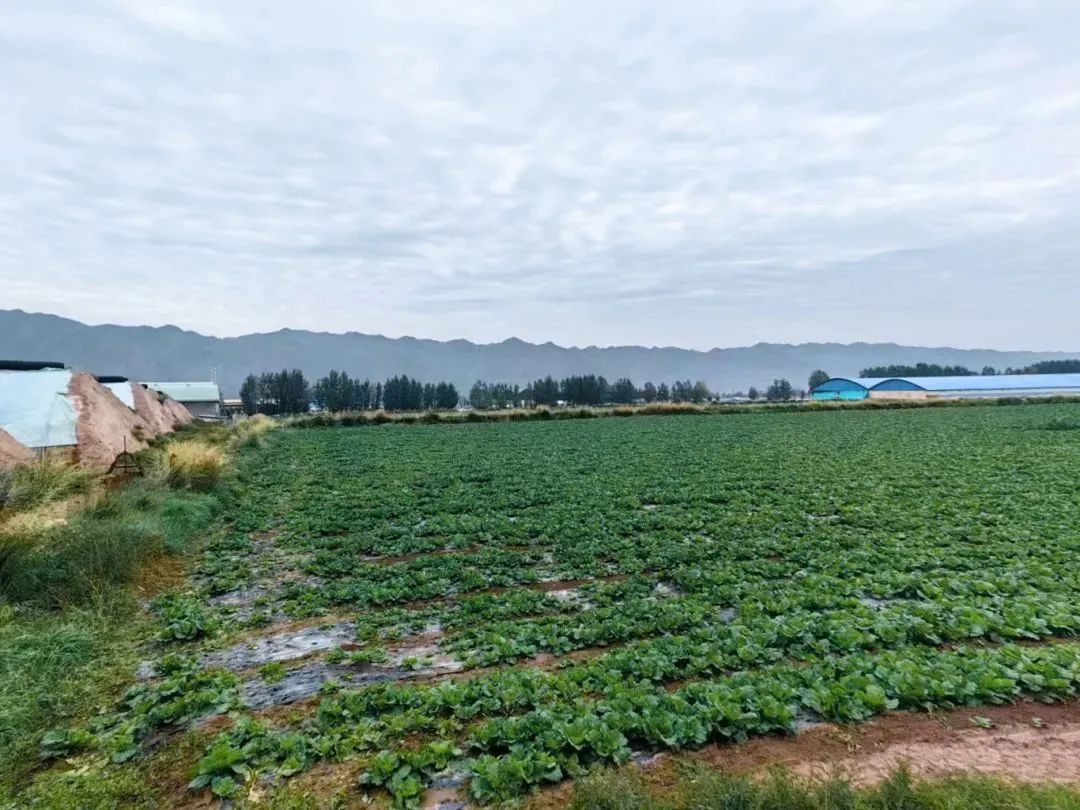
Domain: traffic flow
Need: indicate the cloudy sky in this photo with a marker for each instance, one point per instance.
(680, 173)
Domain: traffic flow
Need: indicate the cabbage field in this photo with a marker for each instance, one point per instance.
(497, 607)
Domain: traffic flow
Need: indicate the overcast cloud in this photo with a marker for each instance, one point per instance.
(678, 173)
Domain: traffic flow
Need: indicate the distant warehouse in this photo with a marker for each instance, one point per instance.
(969, 387)
(202, 399)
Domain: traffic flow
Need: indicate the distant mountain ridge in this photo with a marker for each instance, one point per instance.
(170, 353)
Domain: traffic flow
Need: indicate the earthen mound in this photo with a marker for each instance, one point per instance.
(12, 453)
(105, 426)
(148, 405)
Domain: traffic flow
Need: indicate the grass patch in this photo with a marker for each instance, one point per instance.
(54, 668)
(103, 547)
(71, 628)
(250, 432)
(194, 465)
(698, 787)
(50, 479)
(90, 787)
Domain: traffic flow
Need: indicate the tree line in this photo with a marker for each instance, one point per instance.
(288, 392)
(281, 392)
(595, 390)
(1048, 367)
(935, 370)
(583, 389)
(922, 370)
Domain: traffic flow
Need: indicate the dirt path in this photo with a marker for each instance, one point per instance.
(1028, 742)
(932, 744)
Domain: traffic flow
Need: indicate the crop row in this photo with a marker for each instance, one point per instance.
(566, 735)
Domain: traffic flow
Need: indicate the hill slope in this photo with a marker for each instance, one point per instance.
(170, 353)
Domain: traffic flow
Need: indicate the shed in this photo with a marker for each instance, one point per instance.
(201, 399)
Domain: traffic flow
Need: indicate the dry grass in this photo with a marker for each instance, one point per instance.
(252, 430)
(194, 465)
(39, 519)
(52, 478)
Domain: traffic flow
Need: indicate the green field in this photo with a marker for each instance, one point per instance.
(513, 603)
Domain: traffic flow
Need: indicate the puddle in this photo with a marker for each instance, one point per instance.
(645, 759)
(570, 595)
(296, 685)
(242, 597)
(281, 647)
(447, 779)
(435, 663)
(807, 719)
(146, 670)
(307, 680)
(443, 799)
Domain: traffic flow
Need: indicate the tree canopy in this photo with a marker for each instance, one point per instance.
(918, 370)
(818, 377)
(779, 391)
(1049, 367)
(282, 392)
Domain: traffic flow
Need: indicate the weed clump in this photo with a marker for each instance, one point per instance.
(195, 465)
(700, 787)
(250, 432)
(48, 480)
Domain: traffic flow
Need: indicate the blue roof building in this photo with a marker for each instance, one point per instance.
(975, 386)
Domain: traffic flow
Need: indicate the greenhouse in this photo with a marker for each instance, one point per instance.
(35, 407)
(966, 387)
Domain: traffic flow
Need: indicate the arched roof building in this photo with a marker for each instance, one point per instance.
(974, 386)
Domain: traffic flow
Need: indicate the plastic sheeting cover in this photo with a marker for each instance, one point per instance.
(123, 392)
(35, 408)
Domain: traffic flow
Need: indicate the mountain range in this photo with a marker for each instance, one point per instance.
(169, 353)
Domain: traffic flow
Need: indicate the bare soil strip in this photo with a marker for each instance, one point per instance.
(1027, 742)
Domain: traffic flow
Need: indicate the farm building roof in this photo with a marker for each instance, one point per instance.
(35, 409)
(978, 382)
(187, 391)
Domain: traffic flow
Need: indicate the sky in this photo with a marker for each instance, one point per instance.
(591, 173)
